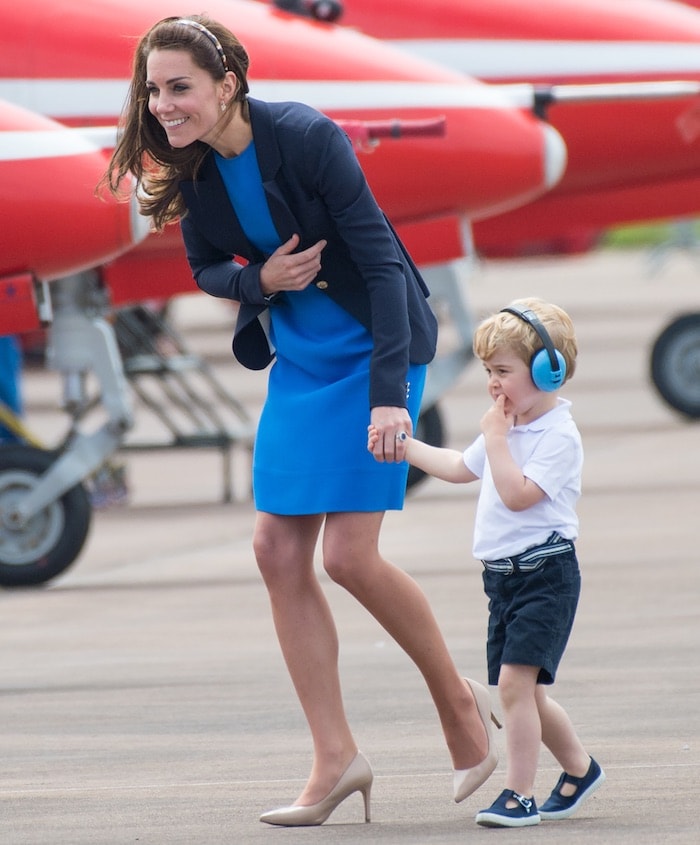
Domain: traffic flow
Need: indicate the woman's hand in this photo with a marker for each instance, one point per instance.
(289, 270)
(388, 433)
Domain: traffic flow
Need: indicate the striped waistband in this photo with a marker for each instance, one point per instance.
(531, 558)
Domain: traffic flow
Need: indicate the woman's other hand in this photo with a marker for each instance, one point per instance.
(289, 270)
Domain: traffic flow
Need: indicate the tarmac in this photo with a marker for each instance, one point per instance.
(143, 697)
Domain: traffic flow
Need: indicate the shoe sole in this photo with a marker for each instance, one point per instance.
(556, 815)
(496, 820)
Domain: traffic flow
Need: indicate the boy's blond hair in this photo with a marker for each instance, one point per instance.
(505, 330)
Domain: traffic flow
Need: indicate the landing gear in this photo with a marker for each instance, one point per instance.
(45, 511)
(675, 365)
(35, 550)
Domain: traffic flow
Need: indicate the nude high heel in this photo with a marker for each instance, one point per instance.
(356, 778)
(467, 781)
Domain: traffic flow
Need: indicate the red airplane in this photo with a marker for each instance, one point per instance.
(45, 166)
(592, 68)
(604, 74)
(69, 61)
(75, 74)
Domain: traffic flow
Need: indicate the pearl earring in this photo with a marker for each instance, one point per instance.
(223, 107)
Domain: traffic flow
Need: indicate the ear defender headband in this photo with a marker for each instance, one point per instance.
(547, 366)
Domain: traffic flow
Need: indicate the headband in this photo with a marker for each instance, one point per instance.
(210, 35)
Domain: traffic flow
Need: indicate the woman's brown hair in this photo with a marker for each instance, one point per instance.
(142, 147)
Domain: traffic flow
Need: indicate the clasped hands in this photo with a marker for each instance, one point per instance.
(387, 434)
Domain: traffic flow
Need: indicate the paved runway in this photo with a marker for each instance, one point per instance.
(143, 697)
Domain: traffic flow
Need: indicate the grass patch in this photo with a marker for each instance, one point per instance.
(682, 232)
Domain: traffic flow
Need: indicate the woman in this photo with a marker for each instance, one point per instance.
(10, 385)
(276, 214)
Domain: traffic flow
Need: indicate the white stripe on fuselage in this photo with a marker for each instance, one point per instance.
(29, 146)
(104, 98)
(515, 59)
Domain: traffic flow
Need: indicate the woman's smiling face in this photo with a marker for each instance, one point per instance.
(183, 98)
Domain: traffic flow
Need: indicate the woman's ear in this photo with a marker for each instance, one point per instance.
(229, 85)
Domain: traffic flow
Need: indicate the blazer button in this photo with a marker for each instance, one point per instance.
(321, 285)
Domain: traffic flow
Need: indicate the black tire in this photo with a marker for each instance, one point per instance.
(675, 365)
(429, 430)
(52, 539)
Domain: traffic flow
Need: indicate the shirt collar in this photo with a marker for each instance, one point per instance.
(559, 413)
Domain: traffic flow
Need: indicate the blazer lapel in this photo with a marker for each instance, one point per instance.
(207, 201)
(270, 164)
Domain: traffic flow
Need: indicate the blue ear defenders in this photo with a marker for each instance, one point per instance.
(547, 366)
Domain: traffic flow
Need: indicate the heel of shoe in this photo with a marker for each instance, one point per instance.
(365, 790)
(357, 777)
(360, 771)
(467, 781)
(483, 704)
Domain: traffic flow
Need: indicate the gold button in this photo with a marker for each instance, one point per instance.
(321, 285)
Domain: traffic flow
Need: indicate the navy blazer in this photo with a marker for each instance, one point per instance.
(314, 187)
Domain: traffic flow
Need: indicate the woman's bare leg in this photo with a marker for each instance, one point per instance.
(284, 548)
(352, 559)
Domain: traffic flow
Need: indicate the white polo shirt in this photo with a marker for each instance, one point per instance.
(550, 453)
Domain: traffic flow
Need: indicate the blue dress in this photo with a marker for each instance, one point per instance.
(310, 451)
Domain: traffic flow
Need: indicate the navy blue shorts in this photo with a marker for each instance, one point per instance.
(531, 615)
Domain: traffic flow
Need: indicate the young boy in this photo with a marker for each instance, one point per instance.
(529, 459)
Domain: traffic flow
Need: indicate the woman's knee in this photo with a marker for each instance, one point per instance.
(354, 570)
(283, 547)
(263, 548)
(350, 548)
(274, 556)
(339, 566)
